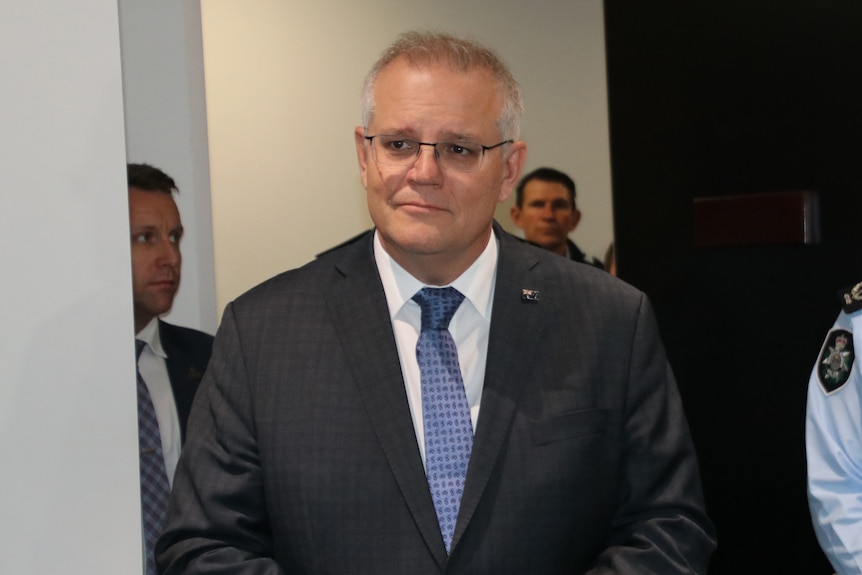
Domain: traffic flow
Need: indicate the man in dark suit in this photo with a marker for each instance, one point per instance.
(546, 210)
(333, 434)
(171, 359)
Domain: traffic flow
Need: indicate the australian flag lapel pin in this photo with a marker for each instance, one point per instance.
(531, 295)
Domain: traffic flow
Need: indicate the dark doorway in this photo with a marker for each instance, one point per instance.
(711, 99)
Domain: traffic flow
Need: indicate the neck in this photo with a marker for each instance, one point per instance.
(439, 268)
(434, 270)
(141, 323)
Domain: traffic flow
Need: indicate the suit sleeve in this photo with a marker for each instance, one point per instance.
(660, 526)
(833, 441)
(217, 522)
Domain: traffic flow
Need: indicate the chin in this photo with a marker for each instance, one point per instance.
(419, 244)
(553, 243)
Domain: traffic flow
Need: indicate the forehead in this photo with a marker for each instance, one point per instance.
(541, 189)
(416, 97)
(152, 208)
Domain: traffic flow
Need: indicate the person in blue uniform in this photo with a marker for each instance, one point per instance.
(833, 439)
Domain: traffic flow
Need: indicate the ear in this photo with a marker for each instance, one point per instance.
(515, 212)
(361, 153)
(512, 168)
(575, 219)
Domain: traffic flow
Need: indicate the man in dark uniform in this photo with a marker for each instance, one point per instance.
(545, 209)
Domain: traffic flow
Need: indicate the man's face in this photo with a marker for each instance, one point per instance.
(436, 222)
(547, 215)
(156, 233)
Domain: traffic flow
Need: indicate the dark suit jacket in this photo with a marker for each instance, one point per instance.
(302, 456)
(188, 353)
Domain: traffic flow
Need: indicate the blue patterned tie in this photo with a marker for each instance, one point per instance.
(448, 429)
(155, 489)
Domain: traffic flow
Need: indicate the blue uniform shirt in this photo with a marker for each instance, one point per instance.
(833, 441)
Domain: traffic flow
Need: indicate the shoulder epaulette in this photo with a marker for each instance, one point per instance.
(851, 298)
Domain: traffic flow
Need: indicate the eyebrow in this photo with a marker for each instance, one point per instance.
(554, 201)
(149, 227)
(457, 137)
(410, 134)
(143, 228)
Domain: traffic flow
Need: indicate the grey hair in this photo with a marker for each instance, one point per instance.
(420, 47)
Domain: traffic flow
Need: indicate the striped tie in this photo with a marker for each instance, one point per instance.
(155, 489)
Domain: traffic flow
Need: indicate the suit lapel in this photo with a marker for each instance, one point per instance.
(515, 325)
(183, 375)
(361, 316)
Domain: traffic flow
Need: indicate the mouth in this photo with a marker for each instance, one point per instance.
(164, 284)
(419, 207)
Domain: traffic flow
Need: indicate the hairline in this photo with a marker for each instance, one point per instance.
(148, 178)
(551, 176)
(421, 49)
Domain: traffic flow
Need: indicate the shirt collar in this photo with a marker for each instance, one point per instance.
(150, 335)
(476, 283)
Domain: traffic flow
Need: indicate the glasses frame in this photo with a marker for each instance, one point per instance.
(436, 153)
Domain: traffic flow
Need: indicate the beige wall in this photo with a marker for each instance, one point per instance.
(282, 86)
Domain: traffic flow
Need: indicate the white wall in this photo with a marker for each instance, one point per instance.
(283, 79)
(68, 436)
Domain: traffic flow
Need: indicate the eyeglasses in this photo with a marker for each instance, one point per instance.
(456, 156)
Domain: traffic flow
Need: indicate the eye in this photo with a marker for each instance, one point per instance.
(142, 238)
(175, 235)
(396, 145)
(461, 150)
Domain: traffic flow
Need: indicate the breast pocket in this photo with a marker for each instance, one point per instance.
(572, 425)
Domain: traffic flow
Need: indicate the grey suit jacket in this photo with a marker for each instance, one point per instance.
(302, 457)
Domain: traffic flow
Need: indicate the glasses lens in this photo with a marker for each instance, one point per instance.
(462, 157)
(394, 150)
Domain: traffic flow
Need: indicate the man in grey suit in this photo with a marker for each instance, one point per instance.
(313, 445)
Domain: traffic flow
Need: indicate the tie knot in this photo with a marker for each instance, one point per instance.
(438, 306)
(139, 347)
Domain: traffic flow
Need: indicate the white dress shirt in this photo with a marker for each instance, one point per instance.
(154, 370)
(469, 326)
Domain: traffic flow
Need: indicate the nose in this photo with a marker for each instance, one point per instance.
(169, 253)
(426, 165)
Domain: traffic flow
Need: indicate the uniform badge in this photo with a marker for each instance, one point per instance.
(836, 360)
(851, 298)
